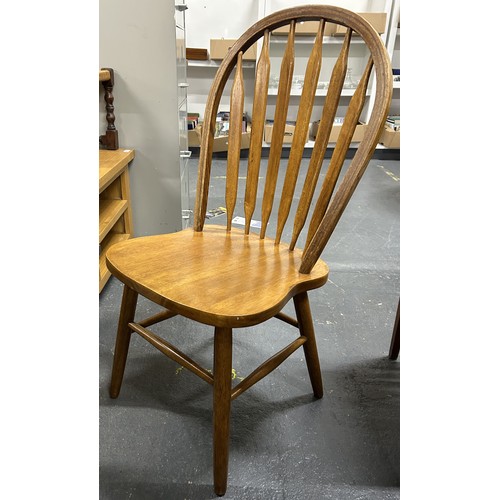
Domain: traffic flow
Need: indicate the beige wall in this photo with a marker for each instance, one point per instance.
(137, 40)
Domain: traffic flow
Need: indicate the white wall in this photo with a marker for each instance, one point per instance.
(206, 19)
(137, 40)
(355, 5)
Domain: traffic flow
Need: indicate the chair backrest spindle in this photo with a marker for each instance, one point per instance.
(282, 100)
(258, 122)
(234, 140)
(345, 136)
(301, 133)
(321, 143)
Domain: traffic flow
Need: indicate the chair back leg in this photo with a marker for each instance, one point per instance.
(304, 318)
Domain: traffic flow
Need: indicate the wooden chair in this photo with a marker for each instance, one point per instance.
(231, 278)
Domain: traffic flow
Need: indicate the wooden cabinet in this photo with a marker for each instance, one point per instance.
(115, 214)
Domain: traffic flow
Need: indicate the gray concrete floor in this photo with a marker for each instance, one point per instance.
(156, 438)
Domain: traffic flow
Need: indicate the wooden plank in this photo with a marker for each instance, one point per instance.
(115, 216)
(127, 216)
(258, 122)
(109, 212)
(284, 86)
(234, 140)
(321, 143)
(345, 136)
(110, 240)
(300, 136)
(111, 164)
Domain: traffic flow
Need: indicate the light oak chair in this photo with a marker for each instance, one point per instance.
(232, 278)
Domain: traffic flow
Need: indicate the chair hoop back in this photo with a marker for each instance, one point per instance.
(329, 206)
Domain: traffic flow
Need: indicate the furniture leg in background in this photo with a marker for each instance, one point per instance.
(110, 139)
(394, 349)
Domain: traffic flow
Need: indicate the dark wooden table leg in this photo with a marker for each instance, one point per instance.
(394, 349)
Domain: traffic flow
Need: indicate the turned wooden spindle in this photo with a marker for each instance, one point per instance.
(110, 139)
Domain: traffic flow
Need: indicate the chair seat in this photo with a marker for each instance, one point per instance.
(215, 277)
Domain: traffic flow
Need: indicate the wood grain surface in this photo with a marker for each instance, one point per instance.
(215, 277)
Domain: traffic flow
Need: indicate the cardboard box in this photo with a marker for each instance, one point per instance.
(288, 135)
(196, 54)
(390, 138)
(220, 143)
(306, 28)
(376, 19)
(359, 132)
(194, 138)
(219, 49)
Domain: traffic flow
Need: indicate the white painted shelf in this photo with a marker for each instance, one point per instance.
(319, 92)
(215, 64)
(311, 39)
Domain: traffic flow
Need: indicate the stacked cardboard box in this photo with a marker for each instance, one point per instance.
(306, 28)
(376, 19)
(220, 141)
(359, 132)
(287, 136)
(390, 136)
(219, 49)
(310, 28)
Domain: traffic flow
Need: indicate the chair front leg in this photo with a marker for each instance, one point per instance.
(127, 313)
(304, 318)
(221, 407)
